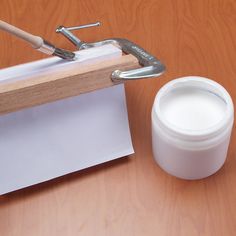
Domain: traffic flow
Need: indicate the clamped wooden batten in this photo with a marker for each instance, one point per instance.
(58, 81)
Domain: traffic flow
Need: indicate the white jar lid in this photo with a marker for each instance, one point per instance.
(193, 108)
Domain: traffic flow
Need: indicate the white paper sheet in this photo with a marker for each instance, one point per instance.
(51, 140)
(85, 57)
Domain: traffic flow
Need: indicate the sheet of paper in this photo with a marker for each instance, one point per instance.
(85, 57)
(51, 140)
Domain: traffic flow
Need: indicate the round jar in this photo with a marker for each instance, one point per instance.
(192, 119)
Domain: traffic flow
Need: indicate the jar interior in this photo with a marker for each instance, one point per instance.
(192, 108)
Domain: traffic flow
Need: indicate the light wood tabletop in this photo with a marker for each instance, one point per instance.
(132, 195)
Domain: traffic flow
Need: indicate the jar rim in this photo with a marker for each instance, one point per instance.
(203, 84)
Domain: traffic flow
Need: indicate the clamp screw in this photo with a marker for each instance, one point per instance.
(66, 32)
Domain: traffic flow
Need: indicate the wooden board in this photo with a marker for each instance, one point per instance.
(133, 196)
(64, 81)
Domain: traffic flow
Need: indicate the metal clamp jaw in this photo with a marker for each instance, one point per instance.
(152, 67)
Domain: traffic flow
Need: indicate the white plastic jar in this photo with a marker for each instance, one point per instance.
(192, 119)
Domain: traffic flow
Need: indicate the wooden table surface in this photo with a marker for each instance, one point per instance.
(131, 196)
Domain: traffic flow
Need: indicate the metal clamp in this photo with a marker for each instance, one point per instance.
(152, 67)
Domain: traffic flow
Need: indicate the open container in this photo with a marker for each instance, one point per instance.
(192, 119)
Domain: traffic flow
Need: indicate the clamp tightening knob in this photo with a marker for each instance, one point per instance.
(66, 31)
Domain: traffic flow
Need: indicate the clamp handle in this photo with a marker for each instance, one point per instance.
(75, 40)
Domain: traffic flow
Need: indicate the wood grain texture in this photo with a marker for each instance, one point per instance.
(52, 86)
(131, 196)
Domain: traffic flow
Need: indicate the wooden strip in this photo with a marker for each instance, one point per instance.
(61, 84)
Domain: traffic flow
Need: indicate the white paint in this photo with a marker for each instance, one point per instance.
(192, 120)
(192, 108)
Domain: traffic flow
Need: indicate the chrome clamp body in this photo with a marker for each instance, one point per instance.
(152, 67)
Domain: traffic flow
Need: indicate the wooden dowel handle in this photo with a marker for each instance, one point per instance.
(35, 41)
